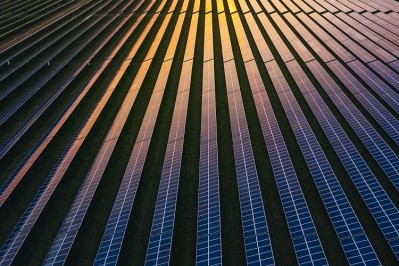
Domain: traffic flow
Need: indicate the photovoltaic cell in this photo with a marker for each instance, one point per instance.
(28, 219)
(376, 199)
(73, 220)
(159, 247)
(354, 242)
(256, 236)
(209, 251)
(304, 236)
(389, 123)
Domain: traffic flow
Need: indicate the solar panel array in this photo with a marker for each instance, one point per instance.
(257, 241)
(350, 232)
(328, 69)
(209, 240)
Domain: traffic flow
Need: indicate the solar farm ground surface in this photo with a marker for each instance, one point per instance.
(199, 132)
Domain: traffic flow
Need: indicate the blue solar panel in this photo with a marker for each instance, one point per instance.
(378, 202)
(299, 220)
(28, 219)
(80, 205)
(386, 73)
(346, 224)
(209, 250)
(34, 153)
(256, 236)
(387, 121)
(387, 159)
(111, 242)
(159, 247)
(376, 84)
(381, 152)
(303, 232)
(37, 85)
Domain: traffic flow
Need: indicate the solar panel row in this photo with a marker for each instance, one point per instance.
(283, 169)
(303, 232)
(209, 242)
(73, 220)
(38, 84)
(344, 52)
(209, 250)
(114, 233)
(376, 199)
(355, 243)
(15, 177)
(159, 247)
(256, 236)
(379, 149)
(387, 121)
(28, 219)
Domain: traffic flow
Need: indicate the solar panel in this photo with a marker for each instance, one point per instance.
(317, 7)
(327, 6)
(378, 202)
(376, 84)
(291, 6)
(111, 242)
(395, 65)
(263, 48)
(389, 123)
(73, 220)
(280, 7)
(159, 247)
(242, 40)
(346, 224)
(227, 51)
(292, 38)
(267, 6)
(256, 238)
(209, 251)
(385, 72)
(208, 38)
(375, 27)
(13, 180)
(190, 46)
(360, 38)
(277, 41)
(305, 8)
(303, 232)
(28, 219)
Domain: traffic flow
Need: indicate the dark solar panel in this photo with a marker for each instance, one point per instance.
(256, 238)
(378, 202)
(346, 224)
(303, 232)
(209, 246)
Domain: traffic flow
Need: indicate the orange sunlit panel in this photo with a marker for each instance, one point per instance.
(189, 54)
(232, 6)
(208, 40)
(175, 38)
